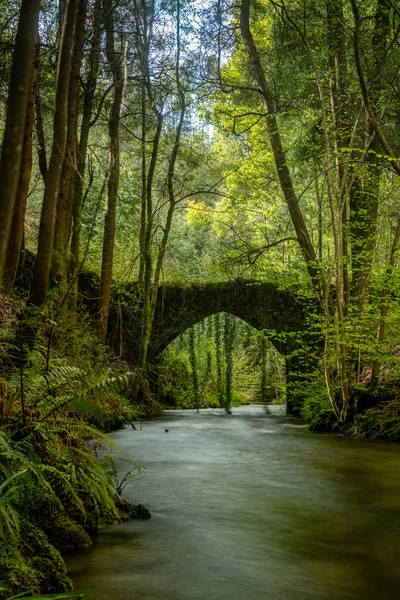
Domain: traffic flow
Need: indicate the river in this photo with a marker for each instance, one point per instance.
(251, 506)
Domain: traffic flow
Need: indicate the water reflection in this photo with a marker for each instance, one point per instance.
(251, 506)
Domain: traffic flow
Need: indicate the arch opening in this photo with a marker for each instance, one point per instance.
(219, 362)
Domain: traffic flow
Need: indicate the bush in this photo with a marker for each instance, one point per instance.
(316, 408)
(382, 422)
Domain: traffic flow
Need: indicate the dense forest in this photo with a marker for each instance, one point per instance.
(199, 207)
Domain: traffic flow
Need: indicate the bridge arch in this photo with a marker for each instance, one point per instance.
(263, 305)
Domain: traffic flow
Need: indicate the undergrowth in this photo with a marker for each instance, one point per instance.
(56, 490)
(382, 422)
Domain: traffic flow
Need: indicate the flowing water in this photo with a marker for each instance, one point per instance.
(251, 506)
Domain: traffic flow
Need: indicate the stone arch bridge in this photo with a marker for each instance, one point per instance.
(262, 305)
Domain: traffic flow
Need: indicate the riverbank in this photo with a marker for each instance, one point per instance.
(56, 491)
(380, 422)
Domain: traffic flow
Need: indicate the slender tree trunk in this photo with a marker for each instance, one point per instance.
(15, 245)
(151, 292)
(285, 179)
(40, 137)
(46, 232)
(151, 281)
(142, 235)
(369, 109)
(65, 194)
(318, 194)
(90, 90)
(365, 202)
(171, 209)
(14, 132)
(341, 112)
(149, 289)
(115, 63)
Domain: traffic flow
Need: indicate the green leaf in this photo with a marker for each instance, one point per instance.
(10, 479)
(87, 408)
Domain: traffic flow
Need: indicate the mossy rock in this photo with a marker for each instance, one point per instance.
(48, 513)
(130, 511)
(66, 535)
(16, 574)
(45, 559)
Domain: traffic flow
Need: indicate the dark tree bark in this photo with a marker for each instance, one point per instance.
(15, 243)
(65, 194)
(365, 200)
(90, 89)
(14, 132)
(40, 137)
(47, 222)
(115, 63)
(340, 100)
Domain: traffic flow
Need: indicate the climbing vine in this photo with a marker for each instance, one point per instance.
(209, 335)
(218, 357)
(193, 364)
(263, 368)
(229, 337)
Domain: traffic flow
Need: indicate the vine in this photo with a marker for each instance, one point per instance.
(193, 364)
(263, 368)
(218, 357)
(229, 338)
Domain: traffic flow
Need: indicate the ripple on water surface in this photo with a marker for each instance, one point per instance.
(251, 506)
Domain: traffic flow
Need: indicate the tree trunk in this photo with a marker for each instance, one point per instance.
(65, 195)
(341, 110)
(364, 205)
(18, 221)
(41, 141)
(47, 222)
(142, 234)
(14, 132)
(114, 60)
(285, 179)
(90, 89)
(149, 278)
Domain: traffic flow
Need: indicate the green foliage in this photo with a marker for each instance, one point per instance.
(9, 518)
(316, 408)
(55, 491)
(226, 350)
(218, 357)
(229, 339)
(193, 365)
(382, 422)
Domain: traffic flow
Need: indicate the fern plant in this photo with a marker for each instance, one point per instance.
(9, 518)
(40, 391)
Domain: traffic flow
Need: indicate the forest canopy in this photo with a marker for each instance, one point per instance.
(180, 141)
